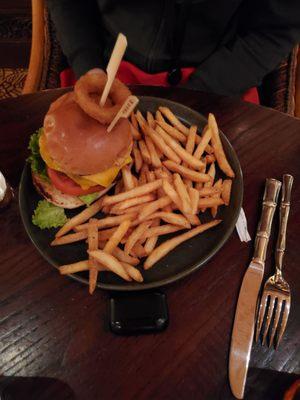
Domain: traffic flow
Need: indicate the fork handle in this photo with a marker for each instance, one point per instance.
(283, 219)
(272, 188)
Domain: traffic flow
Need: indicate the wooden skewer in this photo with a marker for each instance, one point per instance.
(124, 111)
(113, 65)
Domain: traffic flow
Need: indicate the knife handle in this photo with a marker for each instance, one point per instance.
(283, 219)
(272, 188)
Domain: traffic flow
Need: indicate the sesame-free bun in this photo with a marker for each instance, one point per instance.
(80, 144)
(55, 196)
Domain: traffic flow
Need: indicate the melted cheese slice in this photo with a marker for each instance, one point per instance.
(104, 178)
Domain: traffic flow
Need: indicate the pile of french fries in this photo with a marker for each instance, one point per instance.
(171, 181)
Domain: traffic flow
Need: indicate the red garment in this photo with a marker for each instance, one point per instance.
(130, 74)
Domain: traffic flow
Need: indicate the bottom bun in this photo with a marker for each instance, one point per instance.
(55, 196)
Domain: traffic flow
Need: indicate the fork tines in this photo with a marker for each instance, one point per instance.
(275, 309)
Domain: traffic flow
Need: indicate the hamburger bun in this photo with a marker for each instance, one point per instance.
(55, 196)
(81, 145)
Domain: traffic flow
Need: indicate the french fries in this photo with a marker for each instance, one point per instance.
(189, 146)
(138, 161)
(106, 234)
(193, 219)
(135, 127)
(206, 202)
(131, 210)
(78, 267)
(171, 192)
(181, 152)
(143, 178)
(176, 134)
(135, 236)
(92, 245)
(173, 176)
(183, 194)
(159, 117)
(172, 218)
(194, 196)
(75, 267)
(162, 145)
(107, 222)
(122, 256)
(133, 121)
(110, 262)
(70, 238)
(117, 236)
(218, 185)
(86, 214)
(138, 191)
(188, 173)
(191, 139)
(210, 158)
(162, 174)
(170, 244)
(134, 201)
(140, 119)
(150, 175)
(203, 143)
(127, 177)
(144, 152)
(174, 120)
(155, 160)
(226, 191)
(138, 250)
(208, 191)
(154, 206)
(151, 242)
(134, 273)
(150, 119)
(218, 148)
(135, 133)
(160, 230)
(212, 173)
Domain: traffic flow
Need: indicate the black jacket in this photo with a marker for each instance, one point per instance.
(233, 43)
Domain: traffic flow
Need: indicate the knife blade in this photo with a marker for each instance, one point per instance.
(244, 320)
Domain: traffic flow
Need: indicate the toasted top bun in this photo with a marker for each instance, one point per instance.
(55, 196)
(81, 145)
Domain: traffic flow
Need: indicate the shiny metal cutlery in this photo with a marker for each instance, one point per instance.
(244, 321)
(275, 302)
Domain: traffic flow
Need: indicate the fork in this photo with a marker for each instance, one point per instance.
(276, 292)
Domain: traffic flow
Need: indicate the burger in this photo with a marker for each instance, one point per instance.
(74, 159)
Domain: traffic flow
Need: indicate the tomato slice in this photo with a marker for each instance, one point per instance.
(66, 185)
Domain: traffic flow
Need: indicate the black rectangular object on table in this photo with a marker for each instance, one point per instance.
(136, 313)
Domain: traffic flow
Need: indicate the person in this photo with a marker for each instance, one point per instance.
(225, 47)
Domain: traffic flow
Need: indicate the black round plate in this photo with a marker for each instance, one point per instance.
(180, 262)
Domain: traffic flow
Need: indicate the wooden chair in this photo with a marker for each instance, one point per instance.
(297, 87)
(46, 55)
(280, 89)
(15, 38)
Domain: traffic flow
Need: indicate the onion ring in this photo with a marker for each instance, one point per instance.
(88, 90)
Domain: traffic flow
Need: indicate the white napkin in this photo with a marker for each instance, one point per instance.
(241, 227)
(3, 186)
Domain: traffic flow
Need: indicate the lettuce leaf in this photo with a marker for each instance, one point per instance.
(38, 165)
(47, 215)
(88, 199)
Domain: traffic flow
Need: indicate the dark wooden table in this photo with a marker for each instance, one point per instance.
(51, 328)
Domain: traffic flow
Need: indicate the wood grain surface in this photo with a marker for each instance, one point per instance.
(53, 330)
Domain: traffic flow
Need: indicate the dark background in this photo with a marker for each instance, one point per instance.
(15, 33)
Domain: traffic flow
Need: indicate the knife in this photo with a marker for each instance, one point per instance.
(244, 320)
